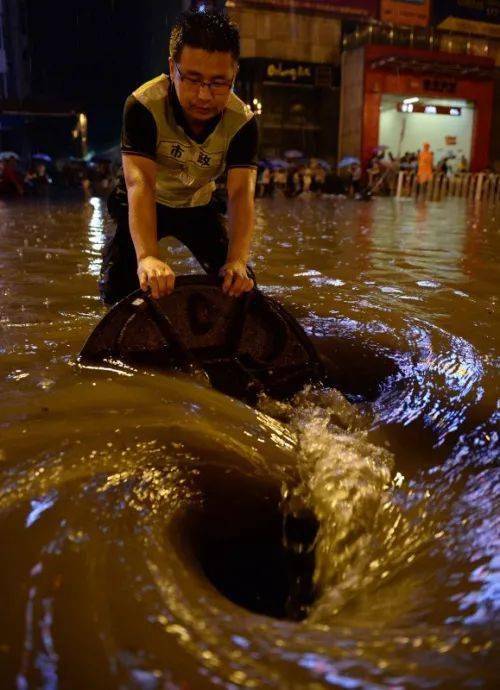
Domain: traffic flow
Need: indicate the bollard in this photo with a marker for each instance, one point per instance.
(441, 188)
(468, 185)
(428, 189)
(473, 186)
(410, 184)
(494, 184)
(479, 187)
(414, 188)
(486, 188)
(434, 186)
(445, 187)
(399, 188)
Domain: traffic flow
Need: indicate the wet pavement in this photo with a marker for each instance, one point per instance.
(157, 534)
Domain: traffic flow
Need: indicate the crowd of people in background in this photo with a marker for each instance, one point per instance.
(316, 177)
(41, 173)
(383, 167)
(306, 177)
(292, 179)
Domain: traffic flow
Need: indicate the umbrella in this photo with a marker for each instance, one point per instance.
(112, 153)
(323, 164)
(293, 153)
(5, 155)
(278, 163)
(42, 157)
(349, 160)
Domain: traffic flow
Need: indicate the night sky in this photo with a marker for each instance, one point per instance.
(91, 54)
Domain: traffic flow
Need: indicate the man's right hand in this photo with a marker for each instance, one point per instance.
(157, 275)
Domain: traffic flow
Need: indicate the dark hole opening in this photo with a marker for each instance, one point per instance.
(254, 553)
(358, 369)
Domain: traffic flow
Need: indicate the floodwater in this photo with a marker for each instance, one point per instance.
(157, 534)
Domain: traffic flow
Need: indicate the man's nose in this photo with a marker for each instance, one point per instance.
(204, 93)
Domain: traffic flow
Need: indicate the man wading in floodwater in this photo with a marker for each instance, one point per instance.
(180, 132)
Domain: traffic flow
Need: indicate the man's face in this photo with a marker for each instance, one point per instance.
(201, 103)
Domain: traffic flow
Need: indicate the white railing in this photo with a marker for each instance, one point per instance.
(477, 186)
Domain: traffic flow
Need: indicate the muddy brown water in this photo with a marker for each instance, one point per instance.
(157, 534)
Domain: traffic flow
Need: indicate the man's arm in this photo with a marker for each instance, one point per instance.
(140, 178)
(241, 194)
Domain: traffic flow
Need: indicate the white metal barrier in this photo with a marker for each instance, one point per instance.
(477, 186)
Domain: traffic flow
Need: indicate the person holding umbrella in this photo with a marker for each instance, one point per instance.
(11, 181)
(37, 179)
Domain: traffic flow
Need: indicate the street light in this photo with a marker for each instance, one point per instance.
(81, 130)
(257, 106)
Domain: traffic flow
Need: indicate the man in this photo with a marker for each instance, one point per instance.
(425, 168)
(180, 132)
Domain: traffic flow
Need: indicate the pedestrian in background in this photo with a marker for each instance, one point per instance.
(425, 167)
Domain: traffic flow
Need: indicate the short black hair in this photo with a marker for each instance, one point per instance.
(212, 31)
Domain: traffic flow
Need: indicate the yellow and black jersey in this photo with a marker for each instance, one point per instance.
(154, 126)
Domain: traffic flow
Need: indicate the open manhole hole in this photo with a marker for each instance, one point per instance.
(252, 551)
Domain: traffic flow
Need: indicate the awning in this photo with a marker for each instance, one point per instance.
(421, 66)
(468, 26)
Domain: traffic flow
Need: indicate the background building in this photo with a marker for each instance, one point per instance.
(406, 82)
(298, 57)
(476, 29)
(291, 66)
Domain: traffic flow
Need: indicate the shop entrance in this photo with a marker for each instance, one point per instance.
(407, 121)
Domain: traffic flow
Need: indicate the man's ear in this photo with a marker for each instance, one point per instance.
(171, 68)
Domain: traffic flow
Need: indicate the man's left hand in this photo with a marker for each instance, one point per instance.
(236, 280)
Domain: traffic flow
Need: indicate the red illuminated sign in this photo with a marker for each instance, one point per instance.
(352, 8)
(442, 85)
(405, 12)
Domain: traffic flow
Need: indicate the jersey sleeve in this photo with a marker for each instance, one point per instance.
(138, 130)
(242, 150)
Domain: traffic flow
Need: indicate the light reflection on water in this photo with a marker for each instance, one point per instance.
(116, 488)
(97, 234)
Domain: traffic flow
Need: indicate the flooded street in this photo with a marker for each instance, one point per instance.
(159, 535)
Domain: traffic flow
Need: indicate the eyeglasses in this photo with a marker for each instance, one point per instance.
(217, 87)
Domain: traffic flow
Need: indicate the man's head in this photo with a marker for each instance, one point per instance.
(204, 52)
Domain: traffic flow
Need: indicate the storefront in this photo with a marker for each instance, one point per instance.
(400, 97)
(290, 66)
(448, 124)
(296, 102)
